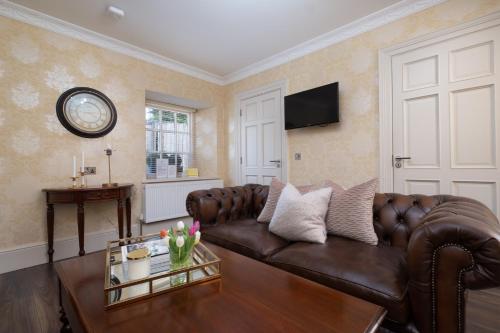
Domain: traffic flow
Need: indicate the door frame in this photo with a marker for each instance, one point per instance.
(277, 85)
(386, 175)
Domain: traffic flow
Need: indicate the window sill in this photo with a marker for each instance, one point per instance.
(178, 179)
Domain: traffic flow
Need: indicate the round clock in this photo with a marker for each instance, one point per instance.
(86, 112)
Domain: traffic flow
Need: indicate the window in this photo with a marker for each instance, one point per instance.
(168, 138)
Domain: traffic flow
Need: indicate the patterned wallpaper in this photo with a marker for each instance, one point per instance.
(36, 66)
(346, 152)
(35, 150)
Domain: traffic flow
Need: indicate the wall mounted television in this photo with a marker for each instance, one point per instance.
(317, 106)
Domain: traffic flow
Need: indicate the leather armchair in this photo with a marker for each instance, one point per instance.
(451, 243)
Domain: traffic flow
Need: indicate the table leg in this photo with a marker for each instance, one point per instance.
(65, 328)
(120, 218)
(81, 229)
(128, 210)
(50, 230)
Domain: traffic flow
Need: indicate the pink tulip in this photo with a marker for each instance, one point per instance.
(192, 230)
(197, 225)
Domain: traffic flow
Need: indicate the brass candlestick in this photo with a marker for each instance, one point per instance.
(109, 152)
(82, 178)
(74, 179)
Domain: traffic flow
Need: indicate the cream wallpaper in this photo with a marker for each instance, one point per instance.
(346, 152)
(36, 66)
(36, 151)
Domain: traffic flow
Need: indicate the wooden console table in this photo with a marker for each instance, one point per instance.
(79, 196)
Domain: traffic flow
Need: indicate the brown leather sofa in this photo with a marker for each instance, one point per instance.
(431, 250)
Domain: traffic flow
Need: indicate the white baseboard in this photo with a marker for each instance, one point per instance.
(36, 254)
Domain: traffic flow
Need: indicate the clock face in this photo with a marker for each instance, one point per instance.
(86, 112)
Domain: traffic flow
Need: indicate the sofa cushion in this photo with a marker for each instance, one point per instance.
(245, 236)
(351, 213)
(374, 273)
(301, 217)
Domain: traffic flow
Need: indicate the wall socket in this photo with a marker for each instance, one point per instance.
(90, 170)
(298, 156)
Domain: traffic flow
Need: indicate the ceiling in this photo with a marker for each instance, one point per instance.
(218, 36)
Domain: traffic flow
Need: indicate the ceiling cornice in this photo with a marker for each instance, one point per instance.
(392, 13)
(389, 14)
(36, 18)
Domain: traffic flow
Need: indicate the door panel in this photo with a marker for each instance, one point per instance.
(473, 128)
(420, 73)
(261, 142)
(471, 62)
(446, 118)
(485, 192)
(427, 187)
(421, 131)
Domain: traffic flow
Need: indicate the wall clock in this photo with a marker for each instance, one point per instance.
(86, 112)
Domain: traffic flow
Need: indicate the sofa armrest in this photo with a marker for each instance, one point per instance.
(219, 205)
(457, 247)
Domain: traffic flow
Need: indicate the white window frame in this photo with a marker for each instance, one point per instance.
(160, 132)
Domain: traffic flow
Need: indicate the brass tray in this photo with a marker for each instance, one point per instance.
(119, 290)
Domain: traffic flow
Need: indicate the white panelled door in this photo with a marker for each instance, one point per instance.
(446, 118)
(261, 138)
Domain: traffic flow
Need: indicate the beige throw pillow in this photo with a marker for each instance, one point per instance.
(301, 217)
(275, 189)
(350, 213)
(272, 200)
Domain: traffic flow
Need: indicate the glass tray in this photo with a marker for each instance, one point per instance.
(120, 290)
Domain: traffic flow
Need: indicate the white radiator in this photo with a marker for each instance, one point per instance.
(167, 200)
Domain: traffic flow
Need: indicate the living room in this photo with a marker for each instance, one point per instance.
(326, 146)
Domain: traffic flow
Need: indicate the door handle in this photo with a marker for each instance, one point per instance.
(398, 160)
(278, 163)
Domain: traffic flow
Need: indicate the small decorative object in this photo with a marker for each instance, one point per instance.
(127, 279)
(192, 172)
(73, 179)
(139, 267)
(161, 168)
(172, 171)
(82, 172)
(181, 241)
(109, 152)
(86, 112)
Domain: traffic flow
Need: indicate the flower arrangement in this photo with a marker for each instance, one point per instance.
(181, 240)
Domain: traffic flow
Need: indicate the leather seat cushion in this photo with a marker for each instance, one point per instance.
(377, 274)
(245, 236)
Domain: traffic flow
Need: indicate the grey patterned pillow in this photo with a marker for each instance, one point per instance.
(350, 213)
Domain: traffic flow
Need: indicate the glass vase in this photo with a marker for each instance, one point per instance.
(179, 260)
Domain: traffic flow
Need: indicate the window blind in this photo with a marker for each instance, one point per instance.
(169, 140)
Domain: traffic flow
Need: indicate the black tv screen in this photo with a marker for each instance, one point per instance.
(318, 106)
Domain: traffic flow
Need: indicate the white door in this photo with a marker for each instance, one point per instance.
(446, 118)
(261, 138)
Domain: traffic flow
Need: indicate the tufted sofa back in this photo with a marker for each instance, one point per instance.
(395, 216)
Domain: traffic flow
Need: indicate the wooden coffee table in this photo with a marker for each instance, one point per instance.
(250, 297)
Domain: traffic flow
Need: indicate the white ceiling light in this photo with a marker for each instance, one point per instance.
(116, 12)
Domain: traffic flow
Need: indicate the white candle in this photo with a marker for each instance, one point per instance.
(83, 161)
(109, 146)
(74, 166)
